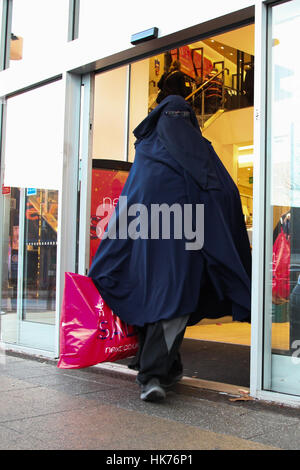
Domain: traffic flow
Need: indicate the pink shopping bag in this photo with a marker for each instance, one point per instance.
(90, 332)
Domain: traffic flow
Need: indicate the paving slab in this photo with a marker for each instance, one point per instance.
(43, 407)
(113, 428)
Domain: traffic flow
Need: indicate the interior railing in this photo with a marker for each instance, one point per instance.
(201, 87)
(231, 99)
(203, 116)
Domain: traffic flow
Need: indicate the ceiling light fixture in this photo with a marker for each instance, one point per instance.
(246, 147)
(245, 159)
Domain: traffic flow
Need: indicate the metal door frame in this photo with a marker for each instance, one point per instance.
(260, 369)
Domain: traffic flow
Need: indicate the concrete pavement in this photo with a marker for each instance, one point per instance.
(43, 407)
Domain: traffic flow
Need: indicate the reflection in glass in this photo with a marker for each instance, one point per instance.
(10, 250)
(10, 260)
(29, 249)
(39, 269)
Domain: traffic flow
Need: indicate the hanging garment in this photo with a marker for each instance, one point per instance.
(281, 268)
(213, 93)
(148, 280)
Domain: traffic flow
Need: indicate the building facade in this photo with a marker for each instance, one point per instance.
(72, 89)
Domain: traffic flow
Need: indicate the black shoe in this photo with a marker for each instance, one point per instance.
(170, 382)
(152, 391)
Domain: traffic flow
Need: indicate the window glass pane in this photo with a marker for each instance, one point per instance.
(1, 24)
(110, 104)
(3, 36)
(39, 248)
(109, 153)
(30, 144)
(282, 307)
(33, 160)
(139, 99)
(38, 30)
(9, 268)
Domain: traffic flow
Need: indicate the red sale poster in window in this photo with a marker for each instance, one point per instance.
(108, 179)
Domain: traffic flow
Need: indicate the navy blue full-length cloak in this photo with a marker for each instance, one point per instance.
(145, 280)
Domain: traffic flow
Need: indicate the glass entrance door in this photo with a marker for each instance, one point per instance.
(226, 120)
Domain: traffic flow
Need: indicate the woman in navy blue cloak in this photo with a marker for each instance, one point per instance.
(157, 284)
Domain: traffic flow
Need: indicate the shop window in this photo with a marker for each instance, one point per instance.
(32, 161)
(33, 119)
(29, 257)
(73, 19)
(2, 34)
(38, 30)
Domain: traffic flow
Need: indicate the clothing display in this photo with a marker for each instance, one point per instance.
(281, 268)
(146, 280)
(249, 85)
(213, 93)
(294, 315)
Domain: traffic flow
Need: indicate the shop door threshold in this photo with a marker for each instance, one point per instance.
(196, 383)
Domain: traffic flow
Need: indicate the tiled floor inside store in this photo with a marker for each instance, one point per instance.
(226, 331)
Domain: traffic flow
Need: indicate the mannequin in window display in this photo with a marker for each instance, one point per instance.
(160, 284)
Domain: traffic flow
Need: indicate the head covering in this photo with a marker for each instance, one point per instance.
(177, 127)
